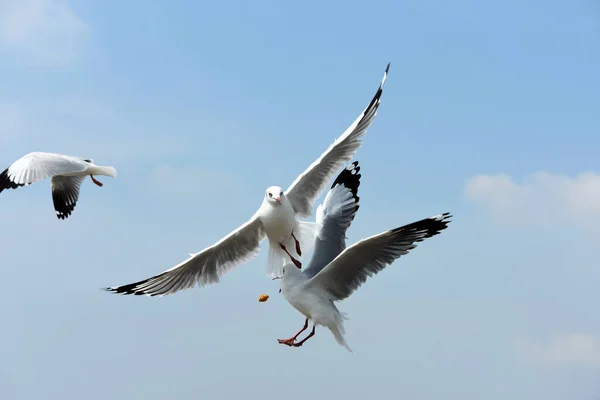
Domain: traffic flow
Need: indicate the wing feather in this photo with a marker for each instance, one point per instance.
(349, 270)
(65, 193)
(334, 217)
(38, 166)
(304, 191)
(205, 267)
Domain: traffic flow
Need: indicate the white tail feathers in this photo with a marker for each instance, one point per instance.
(338, 334)
(306, 233)
(276, 260)
(338, 330)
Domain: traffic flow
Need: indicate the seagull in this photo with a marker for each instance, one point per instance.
(67, 172)
(276, 219)
(335, 272)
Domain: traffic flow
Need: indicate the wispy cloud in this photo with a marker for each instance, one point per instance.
(542, 198)
(565, 349)
(46, 30)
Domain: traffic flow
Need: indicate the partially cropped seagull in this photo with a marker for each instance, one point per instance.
(335, 272)
(275, 219)
(67, 174)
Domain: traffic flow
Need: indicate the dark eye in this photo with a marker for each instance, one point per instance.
(280, 194)
(270, 194)
(284, 270)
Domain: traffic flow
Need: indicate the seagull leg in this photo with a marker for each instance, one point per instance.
(297, 245)
(290, 341)
(311, 334)
(296, 262)
(95, 181)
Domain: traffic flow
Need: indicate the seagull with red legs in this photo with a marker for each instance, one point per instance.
(67, 173)
(275, 220)
(334, 271)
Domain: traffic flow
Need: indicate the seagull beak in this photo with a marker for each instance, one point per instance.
(278, 200)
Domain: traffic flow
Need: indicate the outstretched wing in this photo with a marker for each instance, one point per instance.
(37, 166)
(65, 193)
(303, 192)
(334, 217)
(205, 267)
(348, 271)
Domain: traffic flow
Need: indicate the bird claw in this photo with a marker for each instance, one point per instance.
(288, 342)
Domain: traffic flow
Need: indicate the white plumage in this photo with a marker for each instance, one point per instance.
(276, 219)
(67, 173)
(335, 272)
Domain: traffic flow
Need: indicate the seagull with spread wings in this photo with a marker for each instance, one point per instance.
(67, 173)
(276, 219)
(335, 272)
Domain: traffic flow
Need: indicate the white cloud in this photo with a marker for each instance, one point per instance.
(46, 30)
(566, 349)
(541, 198)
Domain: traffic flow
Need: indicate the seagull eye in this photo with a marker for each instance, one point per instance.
(280, 194)
(270, 194)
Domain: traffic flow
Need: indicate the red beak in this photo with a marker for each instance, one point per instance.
(278, 199)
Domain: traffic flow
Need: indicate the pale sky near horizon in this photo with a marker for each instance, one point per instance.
(490, 112)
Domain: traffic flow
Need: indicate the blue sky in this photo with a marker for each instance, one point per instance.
(490, 112)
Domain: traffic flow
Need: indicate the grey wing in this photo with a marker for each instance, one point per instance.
(205, 267)
(348, 271)
(334, 217)
(303, 192)
(65, 193)
(38, 166)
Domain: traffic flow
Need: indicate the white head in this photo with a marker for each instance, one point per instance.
(288, 273)
(274, 195)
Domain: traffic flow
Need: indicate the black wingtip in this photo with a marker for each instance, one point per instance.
(6, 182)
(132, 288)
(124, 290)
(432, 225)
(374, 104)
(350, 178)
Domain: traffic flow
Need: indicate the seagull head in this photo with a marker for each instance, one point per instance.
(274, 195)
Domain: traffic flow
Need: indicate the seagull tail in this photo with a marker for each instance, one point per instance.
(276, 261)
(306, 233)
(338, 330)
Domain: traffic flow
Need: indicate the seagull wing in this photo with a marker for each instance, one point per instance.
(348, 271)
(334, 217)
(65, 193)
(205, 267)
(307, 187)
(35, 167)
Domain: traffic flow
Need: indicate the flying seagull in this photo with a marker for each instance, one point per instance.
(276, 219)
(67, 174)
(335, 272)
